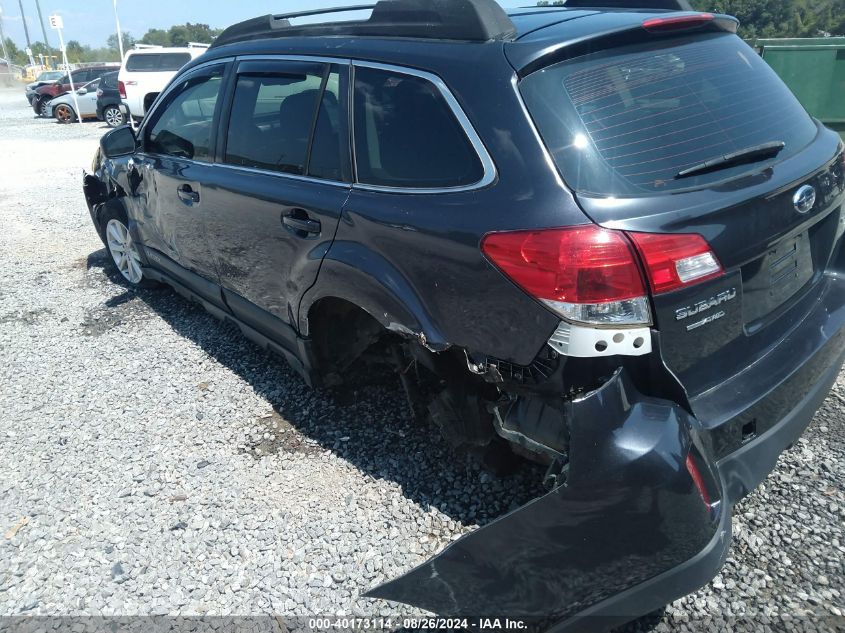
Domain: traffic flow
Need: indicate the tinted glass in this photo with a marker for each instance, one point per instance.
(627, 121)
(272, 117)
(185, 124)
(172, 61)
(157, 62)
(109, 81)
(142, 63)
(407, 136)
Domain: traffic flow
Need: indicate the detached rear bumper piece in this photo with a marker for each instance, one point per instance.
(645, 517)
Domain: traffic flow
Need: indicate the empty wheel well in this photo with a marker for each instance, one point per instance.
(341, 333)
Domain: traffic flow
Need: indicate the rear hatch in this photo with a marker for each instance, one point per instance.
(690, 132)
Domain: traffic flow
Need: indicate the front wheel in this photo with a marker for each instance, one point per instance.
(113, 116)
(64, 114)
(39, 106)
(122, 248)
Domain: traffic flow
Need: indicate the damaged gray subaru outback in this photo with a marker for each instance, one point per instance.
(608, 239)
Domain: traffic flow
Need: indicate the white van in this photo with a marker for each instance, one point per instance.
(146, 70)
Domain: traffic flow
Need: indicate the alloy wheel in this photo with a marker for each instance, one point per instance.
(123, 251)
(113, 116)
(64, 113)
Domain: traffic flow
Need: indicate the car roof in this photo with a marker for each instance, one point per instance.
(536, 29)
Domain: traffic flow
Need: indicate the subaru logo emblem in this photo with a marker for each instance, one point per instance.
(804, 199)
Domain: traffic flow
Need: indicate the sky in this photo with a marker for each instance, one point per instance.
(92, 21)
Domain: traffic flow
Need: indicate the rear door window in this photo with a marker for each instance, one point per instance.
(276, 124)
(407, 136)
(627, 121)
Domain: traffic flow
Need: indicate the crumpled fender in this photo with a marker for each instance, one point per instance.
(630, 511)
(352, 272)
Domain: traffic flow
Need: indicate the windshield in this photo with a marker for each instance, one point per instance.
(628, 121)
(49, 76)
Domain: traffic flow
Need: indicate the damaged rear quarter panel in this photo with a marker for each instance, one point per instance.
(629, 512)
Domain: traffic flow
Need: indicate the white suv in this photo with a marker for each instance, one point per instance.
(146, 70)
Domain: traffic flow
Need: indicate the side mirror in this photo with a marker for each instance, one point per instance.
(82, 91)
(118, 142)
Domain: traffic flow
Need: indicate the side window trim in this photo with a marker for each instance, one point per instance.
(488, 166)
(326, 72)
(163, 101)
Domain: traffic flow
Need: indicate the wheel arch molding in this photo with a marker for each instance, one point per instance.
(355, 274)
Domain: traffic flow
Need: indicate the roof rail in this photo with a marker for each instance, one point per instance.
(669, 5)
(463, 20)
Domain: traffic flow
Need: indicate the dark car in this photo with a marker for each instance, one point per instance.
(606, 239)
(80, 76)
(109, 106)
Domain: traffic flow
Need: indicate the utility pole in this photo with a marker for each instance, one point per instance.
(25, 27)
(44, 32)
(119, 32)
(3, 40)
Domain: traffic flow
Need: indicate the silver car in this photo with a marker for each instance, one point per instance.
(63, 107)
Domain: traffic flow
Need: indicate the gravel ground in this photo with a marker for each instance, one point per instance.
(154, 462)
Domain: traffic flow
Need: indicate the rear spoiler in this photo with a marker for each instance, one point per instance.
(619, 33)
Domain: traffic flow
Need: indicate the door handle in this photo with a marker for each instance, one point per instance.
(188, 195)
(302, 224)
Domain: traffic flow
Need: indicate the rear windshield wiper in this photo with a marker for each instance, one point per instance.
(747, 155)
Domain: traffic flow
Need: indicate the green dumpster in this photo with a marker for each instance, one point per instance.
(814, 69)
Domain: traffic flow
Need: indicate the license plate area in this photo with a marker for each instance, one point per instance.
(776, 277)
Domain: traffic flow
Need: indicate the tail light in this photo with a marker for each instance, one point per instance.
(698, 480)
(674, 261)
(588, 274)
(99, 93)
(121, 89)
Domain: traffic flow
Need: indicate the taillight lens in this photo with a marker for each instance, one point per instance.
(121, 89)
(674, 261)
(99, 93)
(678, 22)
(585, 273)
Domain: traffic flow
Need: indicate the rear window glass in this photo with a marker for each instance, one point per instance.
(407, 136)
(157, 62)
(627, 121)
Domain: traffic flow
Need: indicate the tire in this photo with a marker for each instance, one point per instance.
(122, 249)
(64, 113)
(113, 116)
(39, 106)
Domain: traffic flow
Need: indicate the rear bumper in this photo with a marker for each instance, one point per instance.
(645, 517)
(738, 473)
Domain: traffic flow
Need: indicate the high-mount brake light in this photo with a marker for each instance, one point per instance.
(586, 274)
(677, 22)
(674, 261)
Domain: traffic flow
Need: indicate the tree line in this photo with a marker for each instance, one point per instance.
(775, 18)
(177, 35)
